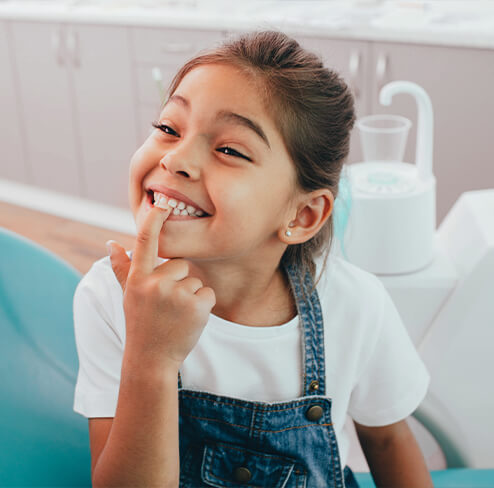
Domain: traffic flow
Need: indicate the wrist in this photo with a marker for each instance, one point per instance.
(139, 363)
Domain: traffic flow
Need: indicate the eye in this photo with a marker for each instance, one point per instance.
(231, 152)
(164, 128)
(227, 150)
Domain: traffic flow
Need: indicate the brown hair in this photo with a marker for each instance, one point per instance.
(312, 107)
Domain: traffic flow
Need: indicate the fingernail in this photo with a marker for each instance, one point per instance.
(108, 247)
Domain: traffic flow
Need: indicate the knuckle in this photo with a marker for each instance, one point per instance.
(184, 266)
(177, 266)
(195, 282)
(207, 297)
(143, 288)
(186, 293)
(134, 289)
(163, 287)
(179, 292)
(197, 309)
(210, 296)
(143, 236)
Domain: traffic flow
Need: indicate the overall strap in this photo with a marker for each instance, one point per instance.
(311, 323)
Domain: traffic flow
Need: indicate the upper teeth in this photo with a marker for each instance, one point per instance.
(179, 208)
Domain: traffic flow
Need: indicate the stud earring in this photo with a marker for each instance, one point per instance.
(288, 233)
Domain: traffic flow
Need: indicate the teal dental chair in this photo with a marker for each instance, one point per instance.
(43, 442)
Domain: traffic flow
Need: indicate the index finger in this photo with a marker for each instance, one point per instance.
(146, 248)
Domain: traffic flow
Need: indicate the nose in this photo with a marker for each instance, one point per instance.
(182, 161)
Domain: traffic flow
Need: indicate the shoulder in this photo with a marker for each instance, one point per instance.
(352, 301)
(349, 285)
(100, 280)
(98, 298)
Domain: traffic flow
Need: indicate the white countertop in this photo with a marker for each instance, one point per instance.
(434, 22)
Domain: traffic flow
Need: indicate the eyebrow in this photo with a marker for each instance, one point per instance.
(226, 115)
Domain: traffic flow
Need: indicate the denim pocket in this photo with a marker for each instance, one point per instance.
(231, 466)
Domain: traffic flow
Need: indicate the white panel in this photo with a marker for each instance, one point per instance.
(458, 348)
(104, 92)
(46, 106)
(12, 163)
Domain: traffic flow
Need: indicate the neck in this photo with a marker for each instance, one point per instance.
(256, 293)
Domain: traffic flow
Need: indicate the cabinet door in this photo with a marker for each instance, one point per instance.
(101, 73)
(459, 82)
(350, 59)
(12, 162)
(46, 106)
(151, 93)
(166, 50)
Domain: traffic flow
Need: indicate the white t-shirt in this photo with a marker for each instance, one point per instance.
(373, 372)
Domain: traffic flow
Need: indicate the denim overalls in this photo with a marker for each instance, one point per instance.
(228, 442)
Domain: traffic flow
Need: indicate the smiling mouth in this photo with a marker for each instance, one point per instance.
(180, 210)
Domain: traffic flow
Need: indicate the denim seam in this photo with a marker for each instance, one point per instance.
(301, 401)
(218, 421)
(256, 429)
(255, 453)
(332, 456)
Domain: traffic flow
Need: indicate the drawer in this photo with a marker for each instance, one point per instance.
(164, 45)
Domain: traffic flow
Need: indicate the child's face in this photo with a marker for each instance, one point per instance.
(247, 201)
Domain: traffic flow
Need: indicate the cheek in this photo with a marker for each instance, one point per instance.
(138, 164)
(141, 164)
(232, 193)
(238, 208)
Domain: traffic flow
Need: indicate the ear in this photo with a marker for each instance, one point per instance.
(313, 212)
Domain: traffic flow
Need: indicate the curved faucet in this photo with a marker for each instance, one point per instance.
(425, 125)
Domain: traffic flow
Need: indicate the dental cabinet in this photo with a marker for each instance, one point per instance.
(78, 98)
(157, 54)
(74, 95)
(459, 82)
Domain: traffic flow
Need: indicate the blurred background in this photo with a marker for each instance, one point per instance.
(82, 80)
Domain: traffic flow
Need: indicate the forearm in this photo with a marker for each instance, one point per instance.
(144, 453)
(398, 463)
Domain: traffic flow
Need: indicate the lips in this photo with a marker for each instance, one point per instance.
(173, 194)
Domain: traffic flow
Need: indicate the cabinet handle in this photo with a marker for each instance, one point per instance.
(381, 68)
(158, 79)
(56, 43)
(177, 47)
(73, 47)
(354, 68)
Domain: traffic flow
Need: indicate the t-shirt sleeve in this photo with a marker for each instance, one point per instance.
(393, 380)
(99, 346)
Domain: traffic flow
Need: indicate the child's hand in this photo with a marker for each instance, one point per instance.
(165, 310)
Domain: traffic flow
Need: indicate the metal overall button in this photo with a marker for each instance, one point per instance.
(314, 385)
(242, 475)
(314, 413)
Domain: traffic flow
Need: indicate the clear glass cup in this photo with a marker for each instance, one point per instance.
(383, 137)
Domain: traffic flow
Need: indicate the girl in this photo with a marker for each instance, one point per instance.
(211, 355)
